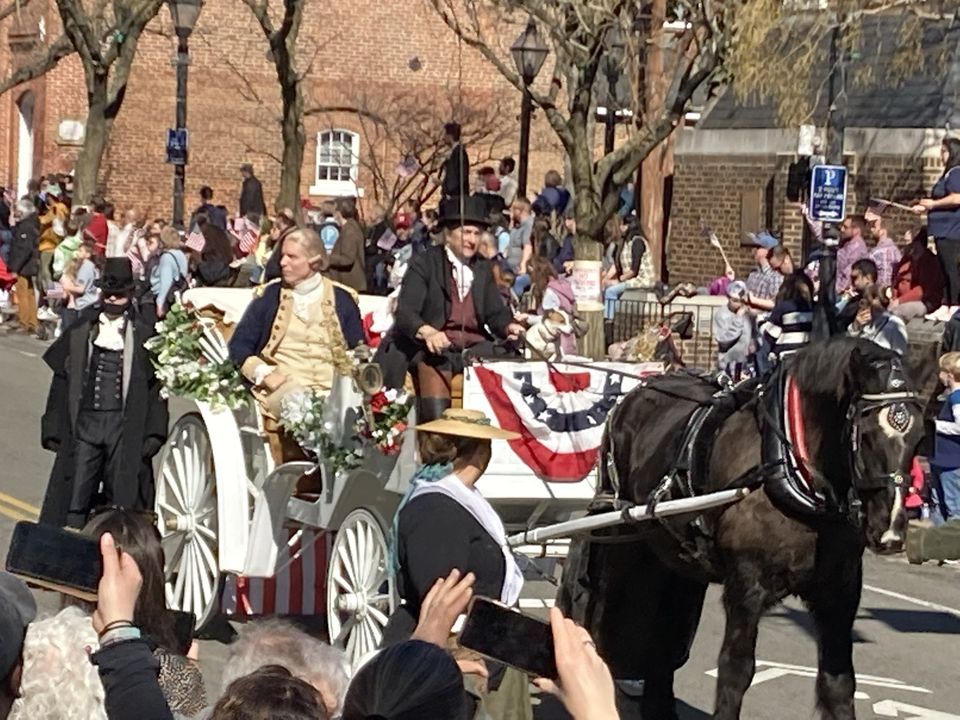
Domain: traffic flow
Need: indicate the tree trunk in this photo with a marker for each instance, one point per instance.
(95, 138)
(294, 142)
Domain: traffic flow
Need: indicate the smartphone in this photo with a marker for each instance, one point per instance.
(55, 559)
(508, 636)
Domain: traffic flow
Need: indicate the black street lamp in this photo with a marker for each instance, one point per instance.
(616, 47)
(529, 53)
(184, 14)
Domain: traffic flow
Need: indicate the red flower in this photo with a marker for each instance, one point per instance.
(400, 426)
(378, 402)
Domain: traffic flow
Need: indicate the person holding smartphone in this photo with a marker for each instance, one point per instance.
(446, 524)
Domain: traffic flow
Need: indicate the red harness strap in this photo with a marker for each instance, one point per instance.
(798, 438)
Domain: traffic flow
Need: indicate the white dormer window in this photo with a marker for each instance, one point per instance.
(338, 160)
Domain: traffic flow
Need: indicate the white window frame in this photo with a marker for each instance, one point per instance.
(337, 188)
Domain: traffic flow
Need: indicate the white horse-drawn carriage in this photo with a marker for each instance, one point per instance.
(224, 508)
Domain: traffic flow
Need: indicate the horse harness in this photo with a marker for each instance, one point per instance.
(784, 470)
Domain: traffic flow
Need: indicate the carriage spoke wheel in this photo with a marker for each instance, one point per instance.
(360, 592)
(186, 509)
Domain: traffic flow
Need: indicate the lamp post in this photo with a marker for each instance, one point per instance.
(184, 14)
(529, 52)
(613, 62)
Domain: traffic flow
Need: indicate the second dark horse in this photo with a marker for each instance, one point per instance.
(639, 591)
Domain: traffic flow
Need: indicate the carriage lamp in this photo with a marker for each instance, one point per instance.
(529, 52)
(184, 14)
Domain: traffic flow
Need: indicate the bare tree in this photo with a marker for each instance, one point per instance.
(280, 23)
(581, 35)
(403, 140)
(38, 63)
(105, 37)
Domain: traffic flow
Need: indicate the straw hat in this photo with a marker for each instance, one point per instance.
(467, 423)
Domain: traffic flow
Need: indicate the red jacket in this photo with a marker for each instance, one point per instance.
(98, 230)
(925, 282)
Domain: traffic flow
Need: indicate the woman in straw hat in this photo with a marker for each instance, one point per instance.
(444, 523)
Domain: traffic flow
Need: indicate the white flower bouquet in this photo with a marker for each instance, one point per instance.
(303, 414)
(189, 355)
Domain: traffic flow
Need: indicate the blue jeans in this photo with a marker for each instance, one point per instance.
(610, 297)
(947, 494)
(521, 284)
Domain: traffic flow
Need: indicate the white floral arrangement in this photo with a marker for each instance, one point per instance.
(303, 414)
(190, 358)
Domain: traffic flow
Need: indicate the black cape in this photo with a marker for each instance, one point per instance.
(145, 413)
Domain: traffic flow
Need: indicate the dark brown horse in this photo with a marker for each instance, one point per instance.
(640, 590)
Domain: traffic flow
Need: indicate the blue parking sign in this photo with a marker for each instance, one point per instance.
(828, 193)
(177, 139)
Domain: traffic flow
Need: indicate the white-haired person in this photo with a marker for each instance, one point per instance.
(59, 682)
(296, 333)
(280, 643)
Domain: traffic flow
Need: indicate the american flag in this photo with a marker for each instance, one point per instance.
(195, 240)
(248, 235)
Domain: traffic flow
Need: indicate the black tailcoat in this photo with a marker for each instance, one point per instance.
(145, 413)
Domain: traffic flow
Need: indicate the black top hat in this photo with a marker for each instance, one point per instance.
(466, 210)
(117, 276)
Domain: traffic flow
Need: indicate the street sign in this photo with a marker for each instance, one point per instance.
(828, 193)
(177, 146)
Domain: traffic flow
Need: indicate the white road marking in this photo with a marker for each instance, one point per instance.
(892, 708)
(915, 601)
(28, 354)
(535, 603)
(773, 670)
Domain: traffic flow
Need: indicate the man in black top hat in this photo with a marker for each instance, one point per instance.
(448, 304)
(104, 417)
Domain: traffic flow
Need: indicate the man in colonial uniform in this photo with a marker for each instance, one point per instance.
(449, 303)
(104, 417)
(297, 332)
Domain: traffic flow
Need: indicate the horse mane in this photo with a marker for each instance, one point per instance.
(829, 367)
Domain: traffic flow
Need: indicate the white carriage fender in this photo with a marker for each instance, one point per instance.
(233, 529)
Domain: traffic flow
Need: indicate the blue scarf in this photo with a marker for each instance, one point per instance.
(426, 474)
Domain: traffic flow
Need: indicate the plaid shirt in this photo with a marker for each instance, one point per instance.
(886, 255)
(764, 283)
(847, 254)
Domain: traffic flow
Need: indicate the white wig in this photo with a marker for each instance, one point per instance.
(278, 642)
(59, 681)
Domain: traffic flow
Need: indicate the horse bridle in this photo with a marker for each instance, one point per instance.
(894, 400)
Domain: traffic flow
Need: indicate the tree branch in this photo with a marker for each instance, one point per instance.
(59, 49)
(14, 7)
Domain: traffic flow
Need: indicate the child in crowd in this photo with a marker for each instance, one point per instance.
(733, 331)
(945, 465)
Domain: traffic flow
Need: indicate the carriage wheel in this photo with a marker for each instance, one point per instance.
(187, 519)
(360, 589)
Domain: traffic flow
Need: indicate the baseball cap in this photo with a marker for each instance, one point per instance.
(762, 239)
(17, 611)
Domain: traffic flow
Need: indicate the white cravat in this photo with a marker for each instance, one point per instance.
(462, 274)
(110, 336)
(305, 294)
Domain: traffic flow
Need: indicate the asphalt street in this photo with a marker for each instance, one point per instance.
(907, 650)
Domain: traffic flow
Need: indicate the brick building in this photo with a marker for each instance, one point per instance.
(732, 167)
(373, 57)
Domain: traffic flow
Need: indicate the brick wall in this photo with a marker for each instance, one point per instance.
(713, 187)
(233, 103)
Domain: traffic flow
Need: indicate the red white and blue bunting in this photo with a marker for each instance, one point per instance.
(559, 411)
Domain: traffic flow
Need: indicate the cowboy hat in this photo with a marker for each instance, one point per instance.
(467, 423)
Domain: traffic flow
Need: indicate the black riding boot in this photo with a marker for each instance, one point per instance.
(431, 408)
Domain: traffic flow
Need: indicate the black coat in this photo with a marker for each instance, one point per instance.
(25, 247)
(425, 296)
(145, 413)
(251, 198)
(456, 173)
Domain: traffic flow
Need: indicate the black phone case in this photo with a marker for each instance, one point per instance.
(511, 637)
(55, 559)
(184, 624)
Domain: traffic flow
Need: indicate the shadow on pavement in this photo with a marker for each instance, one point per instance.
(917, 621)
